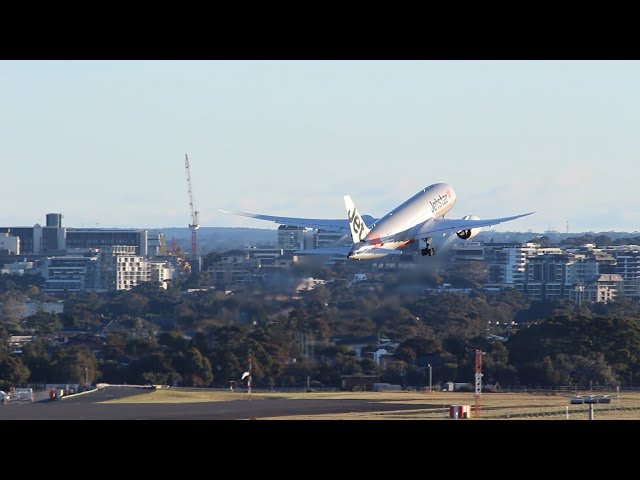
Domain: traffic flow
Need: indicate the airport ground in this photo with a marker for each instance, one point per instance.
(131, 403)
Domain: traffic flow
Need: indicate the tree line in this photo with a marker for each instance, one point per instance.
(205, 338)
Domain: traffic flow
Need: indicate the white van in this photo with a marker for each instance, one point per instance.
(24, 394)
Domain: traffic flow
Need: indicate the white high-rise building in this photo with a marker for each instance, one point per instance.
(506, 263)
(628, 266)
(290, 237)
(161, 272)
(119, 268)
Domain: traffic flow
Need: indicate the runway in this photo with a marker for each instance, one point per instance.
(88, 407)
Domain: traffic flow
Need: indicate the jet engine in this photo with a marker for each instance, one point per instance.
(472, 232)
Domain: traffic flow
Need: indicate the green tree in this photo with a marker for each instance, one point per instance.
(83, 311)
(466, 275)
(174, 340)
(496, 367)
(582, 348)
(154, 368)
(226, 365)
(36, 357)
(198, 280)
(369, 367)
(454, 313)
(43, 322)
(74, 365)
(413, 348)
(396, 373)
(130, 303)
(13, 306)
(12, 371)
(114, 347)
(193, 367)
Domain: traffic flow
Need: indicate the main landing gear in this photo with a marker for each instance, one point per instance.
(428, 251)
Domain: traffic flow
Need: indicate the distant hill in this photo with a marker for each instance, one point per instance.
(554, 237)
(220, 238)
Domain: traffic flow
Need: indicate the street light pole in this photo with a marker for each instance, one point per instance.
(429, 365)
(86, 376)
(249, 380)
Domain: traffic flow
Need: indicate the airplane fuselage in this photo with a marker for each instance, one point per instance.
(394, 230)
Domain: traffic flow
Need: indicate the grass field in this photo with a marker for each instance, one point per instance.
(428, 406)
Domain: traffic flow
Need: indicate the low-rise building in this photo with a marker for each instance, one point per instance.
(9, 245)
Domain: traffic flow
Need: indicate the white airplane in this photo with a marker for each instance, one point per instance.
(420, 217)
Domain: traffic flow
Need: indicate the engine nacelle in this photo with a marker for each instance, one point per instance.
(472, 232)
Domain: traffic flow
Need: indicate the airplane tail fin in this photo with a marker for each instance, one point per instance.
(359, 229)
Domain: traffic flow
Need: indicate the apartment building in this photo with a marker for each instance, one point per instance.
(119, 268)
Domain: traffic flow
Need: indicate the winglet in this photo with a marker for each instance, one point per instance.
(359, 229)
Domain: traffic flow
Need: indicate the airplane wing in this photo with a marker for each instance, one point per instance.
(325, 251)
(436, 225)
(386, 251)
(340, 225)
(344, 251)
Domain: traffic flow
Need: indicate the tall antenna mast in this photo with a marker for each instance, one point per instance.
(478, 381)
(195, 224)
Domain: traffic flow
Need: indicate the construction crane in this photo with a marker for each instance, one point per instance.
(194, 225)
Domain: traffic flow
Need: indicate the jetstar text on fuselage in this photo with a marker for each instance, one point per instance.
(438, 202)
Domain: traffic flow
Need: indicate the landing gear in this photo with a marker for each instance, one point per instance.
(428, 251)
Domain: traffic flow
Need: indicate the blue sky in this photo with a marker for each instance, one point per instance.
(103, 142)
